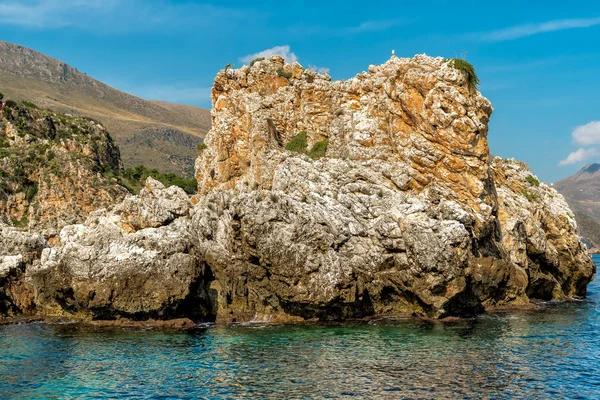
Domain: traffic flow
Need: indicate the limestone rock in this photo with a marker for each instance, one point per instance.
(18, 250)
(105, 269)
(540, 233)
(406, 214)
(154, 206)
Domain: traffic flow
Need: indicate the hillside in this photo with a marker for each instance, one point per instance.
(153, 133)
(54, 168)
(582, 192)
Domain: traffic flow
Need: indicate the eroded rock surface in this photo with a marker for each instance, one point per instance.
(114, 266)
(401, 212)
(18, 250)
(406, 214)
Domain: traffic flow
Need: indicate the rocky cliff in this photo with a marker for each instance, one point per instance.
(328, 200)
(55, 168)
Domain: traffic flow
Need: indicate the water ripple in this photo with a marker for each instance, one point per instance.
(554, 353)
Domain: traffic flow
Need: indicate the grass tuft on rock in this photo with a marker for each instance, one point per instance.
(298, 144)
(467, 68)
(533, 181)
(529, 196)
(201, 147)
(286, 75)
(319, 149)
(255, 61)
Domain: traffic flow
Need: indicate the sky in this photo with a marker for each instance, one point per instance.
(537, 60)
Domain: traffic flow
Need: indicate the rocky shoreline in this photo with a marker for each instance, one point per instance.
(317, 201)
(182, 324)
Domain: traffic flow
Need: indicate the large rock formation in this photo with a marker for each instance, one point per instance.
(389, 204)
(405, 214)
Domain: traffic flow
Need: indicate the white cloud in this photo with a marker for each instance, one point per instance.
(584, 135)
(372, 26)
(320, 70)
(579, 155)
(587, 134)
(520, 31)
(113, 16)
(283, 51)
(363, 27)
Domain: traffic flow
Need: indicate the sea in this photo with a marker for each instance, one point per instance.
(549, 354)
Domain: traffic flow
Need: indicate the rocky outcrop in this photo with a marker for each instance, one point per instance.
(18, 250)
(539, 233)
(55, 169)
(406, 214)
(327, 200)
(418, 118)
(114, 267)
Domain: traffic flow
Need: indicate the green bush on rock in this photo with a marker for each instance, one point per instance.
(133, 179)
(319, 149)
(282, 73)
(298, 144)
(529, 196)
(255, 61)
(467, 68)
(201, 148)
(533, 180)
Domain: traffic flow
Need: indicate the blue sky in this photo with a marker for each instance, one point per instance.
(537, 60)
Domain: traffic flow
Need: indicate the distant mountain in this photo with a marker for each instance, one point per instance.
(153, 133)
(582, 192)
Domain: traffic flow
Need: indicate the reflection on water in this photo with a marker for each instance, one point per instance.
(554, 353)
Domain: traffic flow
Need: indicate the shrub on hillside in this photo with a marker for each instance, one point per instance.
(133, 179)
(29, 104)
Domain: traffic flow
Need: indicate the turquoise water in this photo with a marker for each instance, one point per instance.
(549, 354)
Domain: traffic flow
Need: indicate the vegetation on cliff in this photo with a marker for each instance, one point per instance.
(54, 167)
(299, 144)
(134, 179)
(466, 67)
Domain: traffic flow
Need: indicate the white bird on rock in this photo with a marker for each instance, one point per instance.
(393, 52)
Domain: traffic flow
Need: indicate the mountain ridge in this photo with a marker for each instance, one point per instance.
(26, 74)
(582, 192)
